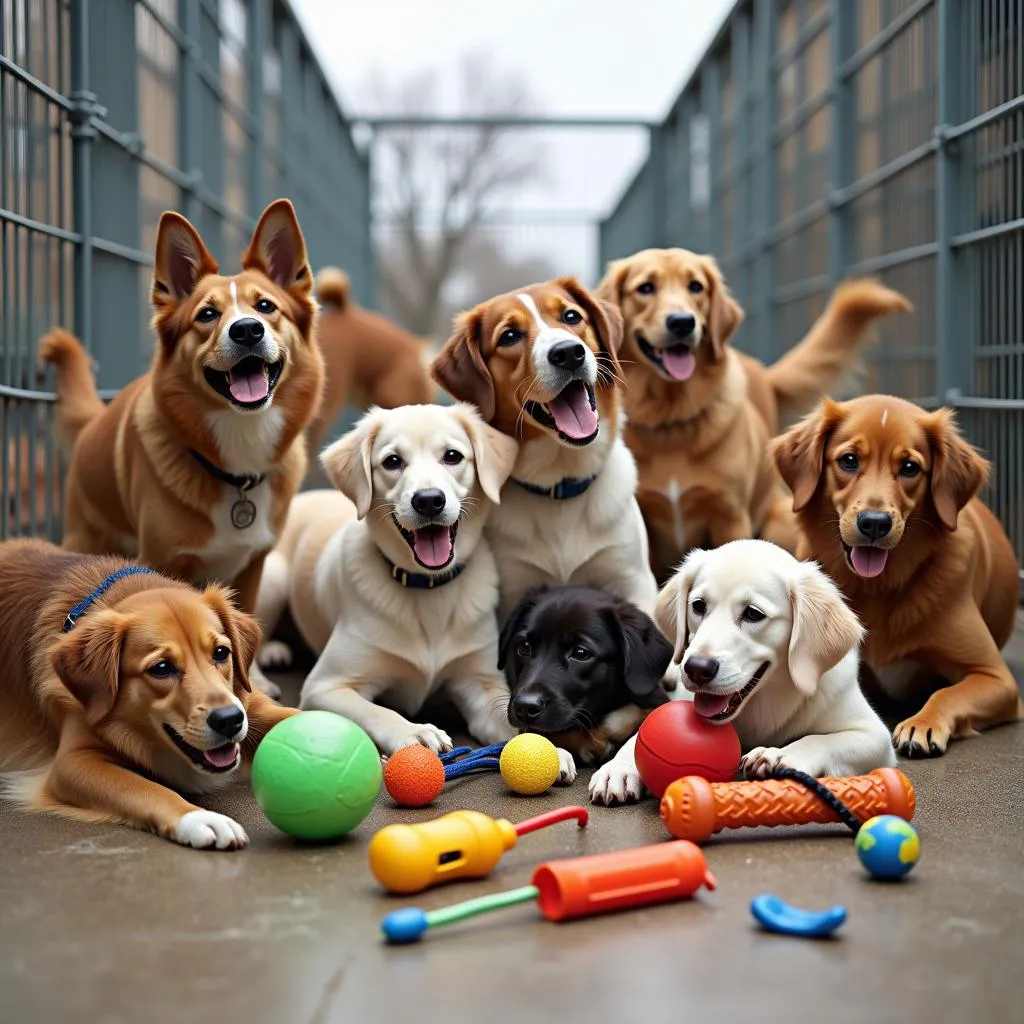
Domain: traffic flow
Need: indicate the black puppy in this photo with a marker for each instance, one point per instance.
(580, 664)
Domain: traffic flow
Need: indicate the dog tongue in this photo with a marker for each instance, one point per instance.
(222, 757)
(572, 412)
(433, 546)
(710, 705)
(247, 384)
(868, 562)
(679, 362)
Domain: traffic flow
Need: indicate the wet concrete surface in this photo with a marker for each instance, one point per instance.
(109, 925)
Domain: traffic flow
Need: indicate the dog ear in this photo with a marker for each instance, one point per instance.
(515, 622)
(242, 630)
(824, 628)
(646, 655)
(494, 453)
(278, 250)
(958, 470)
(673, 601)
(181, 261)
(604, 317)
(613, 282)
(799, 453)
(726, 313)
(88, 661)
(348, 462)
(460, 369)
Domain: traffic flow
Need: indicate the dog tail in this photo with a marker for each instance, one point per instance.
(78, 401)
(830, 351)
(332, 288)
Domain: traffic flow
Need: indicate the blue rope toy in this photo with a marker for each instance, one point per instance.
(481, 759)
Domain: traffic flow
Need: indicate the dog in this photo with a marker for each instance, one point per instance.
(192, 466)
(765, 642)
(541, 365)
(368, 359)
(122, 689)
(885, 494)
(580, 664)
(391, 582)
(701, 414)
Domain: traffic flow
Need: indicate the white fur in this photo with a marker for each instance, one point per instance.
(247, 442)
(548, 335)
(830, 730)
(203, 829)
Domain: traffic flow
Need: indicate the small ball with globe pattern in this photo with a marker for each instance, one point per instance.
(888, 846)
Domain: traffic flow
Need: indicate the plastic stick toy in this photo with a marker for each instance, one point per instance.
(578, 887)
(463, 844)
(693, 808)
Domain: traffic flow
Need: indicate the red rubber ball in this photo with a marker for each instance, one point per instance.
(675, 741)
(414, 776)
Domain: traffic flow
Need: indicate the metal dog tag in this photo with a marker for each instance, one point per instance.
(243, 512)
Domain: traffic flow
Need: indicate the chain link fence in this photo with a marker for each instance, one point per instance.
(112, 111)
(824, 138)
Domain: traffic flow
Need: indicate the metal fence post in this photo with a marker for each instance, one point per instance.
(258, 26)
(83, 105)
(189, 127)
(842, 155)
(659, 196)
(711, 101)
(766, 187)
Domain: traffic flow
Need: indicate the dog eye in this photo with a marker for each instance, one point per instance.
(452, 457)
(524, 650)
(848, 462)
(752, 614)
(571, 316)
(581, 654)
(221, 653)
(207, 315)
(645, 288)
(265, 306)
(392, 462)
(509, 337)
(695, 287)
(698, 607)
(910, 469)
(163, 669)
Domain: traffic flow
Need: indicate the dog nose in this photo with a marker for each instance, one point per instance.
(227, 721)
(248, 331)
(700, 670)
(567, 355)
(874, 525)
(429, 502)
(528, 706)
(680, 325)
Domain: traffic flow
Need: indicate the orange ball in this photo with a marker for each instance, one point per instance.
(413, 776)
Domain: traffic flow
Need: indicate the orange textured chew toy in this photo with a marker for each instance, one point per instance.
(414, 776)
(693, 808)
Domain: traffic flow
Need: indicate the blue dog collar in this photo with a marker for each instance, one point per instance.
(83, 606)
(570, 487)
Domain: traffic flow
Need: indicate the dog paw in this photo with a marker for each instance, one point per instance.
(763, 763)
(921, 737)
(566, 768)
(203, 829)
(428, 736)
(614, 784)
(274, 654)
(261, 682)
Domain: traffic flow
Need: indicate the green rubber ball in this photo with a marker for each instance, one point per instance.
(316, 775)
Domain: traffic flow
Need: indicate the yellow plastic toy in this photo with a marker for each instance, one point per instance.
(529, 764)
(464, 844)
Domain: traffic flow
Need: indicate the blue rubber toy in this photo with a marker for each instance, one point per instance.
(776, 915)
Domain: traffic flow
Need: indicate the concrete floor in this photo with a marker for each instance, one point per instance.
(110, 925)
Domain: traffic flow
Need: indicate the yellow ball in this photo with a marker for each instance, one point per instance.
(529, 764)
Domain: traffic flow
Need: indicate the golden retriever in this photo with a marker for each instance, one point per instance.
(123, 689)
(192, 466)
(765, 642)
(885, 494)
(701, 414)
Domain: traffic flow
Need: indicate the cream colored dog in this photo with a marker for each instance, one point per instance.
(391, 582)
(766, 642)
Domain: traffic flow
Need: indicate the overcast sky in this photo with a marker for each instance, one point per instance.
(578, 57)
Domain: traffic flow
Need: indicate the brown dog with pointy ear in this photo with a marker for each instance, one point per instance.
(122, 690)
(885, 496)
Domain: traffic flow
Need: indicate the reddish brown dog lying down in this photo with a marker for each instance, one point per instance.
(121, 686)
(885, 497)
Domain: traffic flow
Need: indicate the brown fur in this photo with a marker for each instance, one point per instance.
(81, 717)
(133, 486)
(947, 598)
(368, 359)
(700, 443)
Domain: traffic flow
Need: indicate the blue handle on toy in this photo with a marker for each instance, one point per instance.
(405, 925)
(778, 916)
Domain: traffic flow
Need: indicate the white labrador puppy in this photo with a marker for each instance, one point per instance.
(391, 582)
(766, 642)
